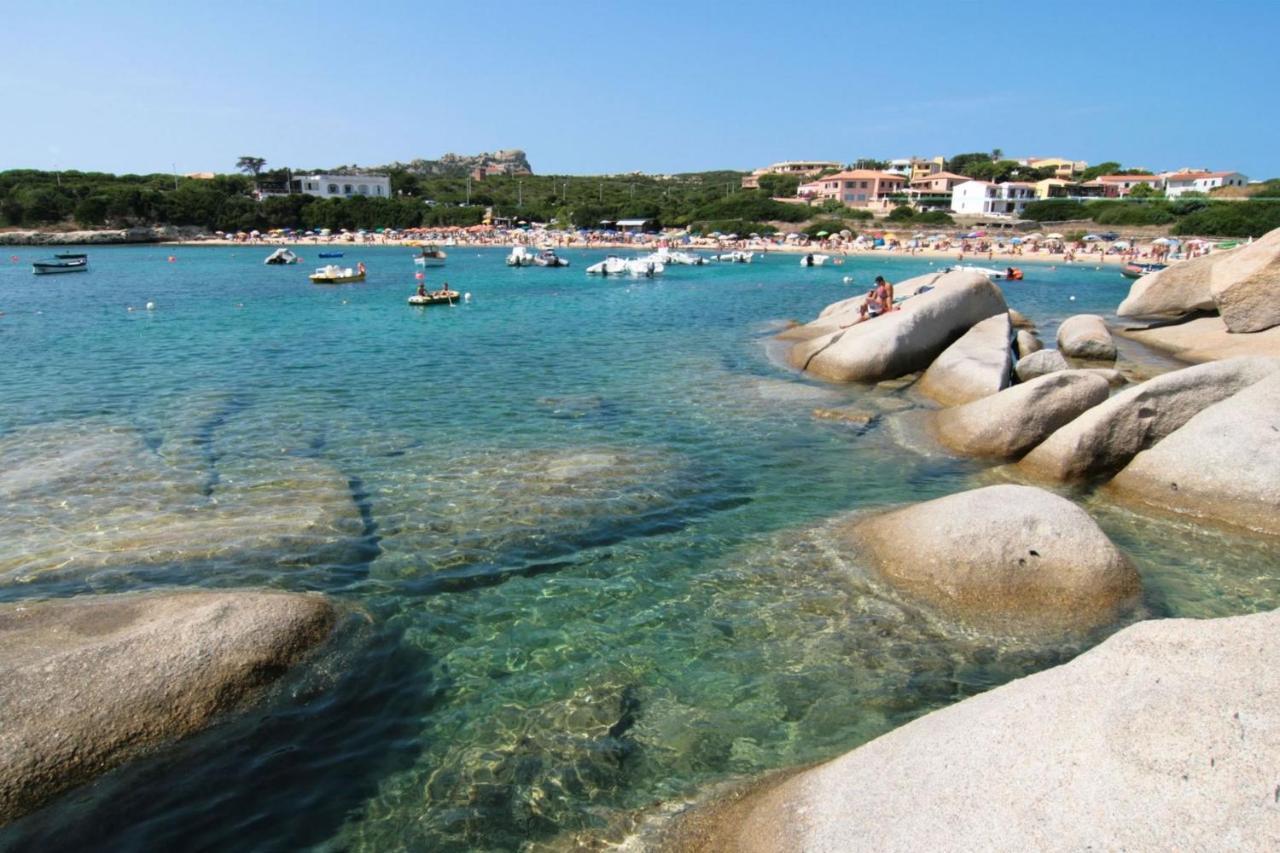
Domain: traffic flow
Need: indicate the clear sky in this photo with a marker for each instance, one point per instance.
(658, 86)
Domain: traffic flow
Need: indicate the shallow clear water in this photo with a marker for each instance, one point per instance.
(588, 525)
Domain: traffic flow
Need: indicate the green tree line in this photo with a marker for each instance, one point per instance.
(1185, 215)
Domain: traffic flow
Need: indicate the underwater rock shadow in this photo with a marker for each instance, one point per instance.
(283, 777)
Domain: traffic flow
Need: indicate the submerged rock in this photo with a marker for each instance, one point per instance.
(1008, 424)
(1085, 336)
(902, 341)
(447, 510)
(84, 499)
(1124, 747)
(1245, 285)
(1004, 555)
(975, 366)
(92, 682)
(1104, 439)
(1223, 464)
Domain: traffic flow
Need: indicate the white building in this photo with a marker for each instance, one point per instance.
(1177, 183)
(983, 198)
(344, 186)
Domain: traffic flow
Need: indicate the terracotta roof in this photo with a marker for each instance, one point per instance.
(936, 175)
(1195, 176)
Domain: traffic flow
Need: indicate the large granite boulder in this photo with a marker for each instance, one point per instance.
(1245, 285)
(975, 366)
(905, 340)
(1040, 363)
(1206, 339)
(1004, 556)
(1085, 336)
(1180, 289)
(1008, 424)
(92, 682)
(1164, 737)
(1223, 464)
(1104, 439)
(1026, 342)
(842, 314)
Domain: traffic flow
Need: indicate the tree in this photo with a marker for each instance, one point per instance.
(997, 154)
(1110, 167)
(959, 162)
(780, 186)
(251, 165)
(1145, 191)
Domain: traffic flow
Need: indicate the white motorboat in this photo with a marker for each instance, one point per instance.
(736, 257)
(520, 257)
(666, 256)
(812, 260)
(430, 256)
(549, 258)
(62, 262)
(333, 274)
(614, 265)
(1011, 273)
(283, 256)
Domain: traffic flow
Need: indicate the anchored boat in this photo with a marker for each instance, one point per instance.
(436, 297)
(282, 256)
(1133, 269)
(62, 262)
(430, 256)
(333, 274)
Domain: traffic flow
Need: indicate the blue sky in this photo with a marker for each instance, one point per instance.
(657, 86)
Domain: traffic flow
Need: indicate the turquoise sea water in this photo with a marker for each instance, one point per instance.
(585, 529)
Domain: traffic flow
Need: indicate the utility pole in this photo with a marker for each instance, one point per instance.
(175, 175)
(602, 192)
(520, 193)
(468, 190)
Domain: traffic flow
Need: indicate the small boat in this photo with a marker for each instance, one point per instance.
(330, 254)
(668, 257)
(812, 260)
(436, 297)
(1133, 269)
(1008, 274)
(62, 262)
(520, 257)
(333, 274)
(282, 256)
(639, 267)
(430, 256)
(734, 257)
(549, 258)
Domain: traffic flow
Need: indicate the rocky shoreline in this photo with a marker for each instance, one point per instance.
(120, 236)
(1126, 746)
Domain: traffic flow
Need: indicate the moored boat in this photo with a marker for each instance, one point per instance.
(1008, 274)
(1133, 269)
(62, 262)
(436, 297)
(520, 257)
(549, 258)
(331, 254)
(282, 256)
(812, 260)
(332, 274)
(735, 257)
(430, 256)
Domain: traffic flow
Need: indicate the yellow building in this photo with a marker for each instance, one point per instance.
(1044, 188)
(1062, 168)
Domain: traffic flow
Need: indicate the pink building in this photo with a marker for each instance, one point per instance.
(1119, 186)
(855, 188)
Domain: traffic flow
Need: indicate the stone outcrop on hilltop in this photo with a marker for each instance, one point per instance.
(512, 160)
(92, 682)
(1164, 737)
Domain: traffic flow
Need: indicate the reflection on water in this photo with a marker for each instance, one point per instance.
(588, 525)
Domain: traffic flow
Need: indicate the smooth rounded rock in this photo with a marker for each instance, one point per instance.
(1164, 737)
(977, 365)
(1008, 424)
(1020, 320)
(1005, 556)
(94, 681)
(1025, 342)
(1180, 289)
(901, 341)
(1245, 285)
(1222, 465)
(1040, 363)
(1104, 439)
(1085, 336)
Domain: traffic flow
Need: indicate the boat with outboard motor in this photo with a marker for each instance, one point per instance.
(62, 262)
(520, 257)
(667, 257)
(639, 267)
(435, 297)
(1134, 269)
(333, 274)
(549, 258)
(430, 256)
(282, 256)
(1009, 273)
(812, 260)
(735, 257)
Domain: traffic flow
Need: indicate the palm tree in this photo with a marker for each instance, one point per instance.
(997, 154)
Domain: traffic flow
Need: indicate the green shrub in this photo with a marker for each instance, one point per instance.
(1232, 219)
(831, 226)
(1129, 213)
(741, 227)
(1054, 210)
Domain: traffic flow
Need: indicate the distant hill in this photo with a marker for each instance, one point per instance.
(511, 160)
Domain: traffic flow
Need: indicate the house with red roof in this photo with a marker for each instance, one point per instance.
(1177, 183)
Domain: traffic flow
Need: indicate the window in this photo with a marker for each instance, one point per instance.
(364, 189)
(379, 189)
(333, 189)
(864, 185)
(346, 189)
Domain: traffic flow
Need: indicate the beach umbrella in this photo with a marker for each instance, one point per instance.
(822, 233)
(1055, 236)
(1016, 240)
